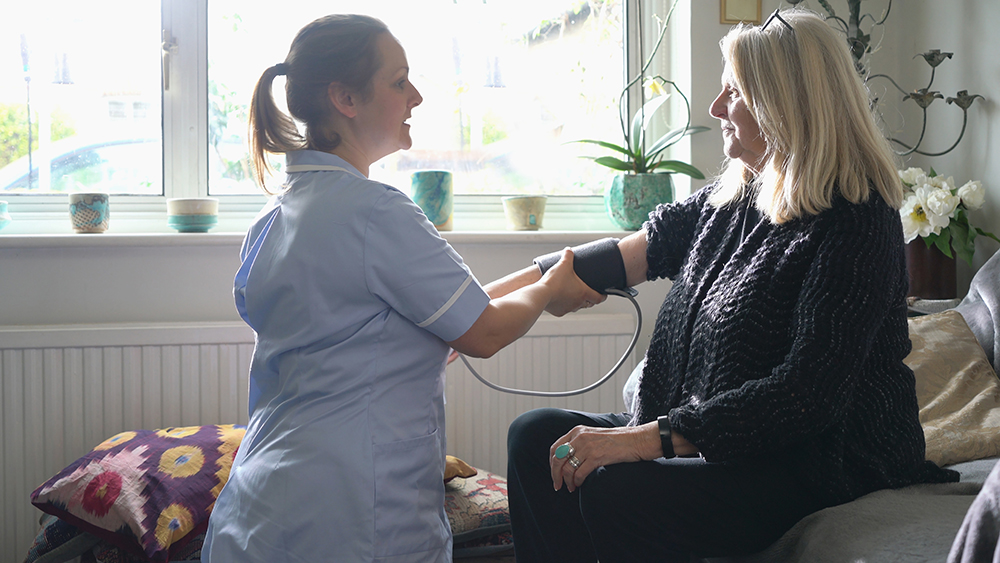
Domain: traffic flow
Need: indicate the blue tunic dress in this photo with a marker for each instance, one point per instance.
(352, 295)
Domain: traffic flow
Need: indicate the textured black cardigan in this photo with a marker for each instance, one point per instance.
(788, 344)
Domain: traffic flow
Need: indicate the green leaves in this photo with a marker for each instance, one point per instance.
(677, 166)
(639, 161)
(959, 236)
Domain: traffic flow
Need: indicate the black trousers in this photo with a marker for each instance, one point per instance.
(662, 510)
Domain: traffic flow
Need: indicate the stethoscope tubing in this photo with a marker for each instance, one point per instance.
(582, 390)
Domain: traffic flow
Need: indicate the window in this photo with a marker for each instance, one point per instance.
(506, 85)
(94, 120)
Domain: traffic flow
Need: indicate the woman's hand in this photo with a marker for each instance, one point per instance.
(570, 293)
(596, 447)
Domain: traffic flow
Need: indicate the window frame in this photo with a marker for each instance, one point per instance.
(185, 151)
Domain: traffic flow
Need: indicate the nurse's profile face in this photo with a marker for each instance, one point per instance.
(393, 97)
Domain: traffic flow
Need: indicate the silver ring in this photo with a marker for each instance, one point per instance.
(574, 461)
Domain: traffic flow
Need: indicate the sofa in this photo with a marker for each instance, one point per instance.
(956, 358)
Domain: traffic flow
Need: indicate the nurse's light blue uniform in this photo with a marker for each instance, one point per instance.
(352, 295)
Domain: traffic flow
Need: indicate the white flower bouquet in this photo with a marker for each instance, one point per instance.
(938, 212)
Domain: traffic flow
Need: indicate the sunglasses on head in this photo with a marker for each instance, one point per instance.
(776, 16)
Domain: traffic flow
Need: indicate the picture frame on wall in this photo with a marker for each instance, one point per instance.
(736, 11)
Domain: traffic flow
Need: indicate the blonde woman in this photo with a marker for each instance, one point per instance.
(774, 384)
(355, 302)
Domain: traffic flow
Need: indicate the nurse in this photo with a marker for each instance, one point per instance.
(355, 301)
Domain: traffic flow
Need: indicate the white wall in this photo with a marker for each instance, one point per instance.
(967, 28)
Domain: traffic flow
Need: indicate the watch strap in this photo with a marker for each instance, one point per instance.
(665, 441)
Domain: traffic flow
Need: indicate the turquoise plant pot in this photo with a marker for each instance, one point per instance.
(192, 223)
(631, 197)
(4, 216)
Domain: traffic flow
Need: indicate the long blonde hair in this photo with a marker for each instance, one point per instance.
(800, 84)
(336, 48)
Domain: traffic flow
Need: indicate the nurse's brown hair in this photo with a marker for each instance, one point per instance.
(336, 48)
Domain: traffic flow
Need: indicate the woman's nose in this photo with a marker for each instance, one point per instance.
(718, 107)
(417, 99)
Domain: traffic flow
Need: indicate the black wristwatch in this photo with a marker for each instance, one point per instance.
(665, 441)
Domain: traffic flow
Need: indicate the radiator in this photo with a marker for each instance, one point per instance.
(65, 389)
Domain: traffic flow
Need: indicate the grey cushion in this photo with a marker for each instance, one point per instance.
(981, 308)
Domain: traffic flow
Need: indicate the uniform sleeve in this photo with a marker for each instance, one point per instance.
(670, 233)
(416, 272)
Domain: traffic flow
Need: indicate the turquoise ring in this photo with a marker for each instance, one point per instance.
(564, 450)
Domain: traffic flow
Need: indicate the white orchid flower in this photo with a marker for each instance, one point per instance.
(972, 195)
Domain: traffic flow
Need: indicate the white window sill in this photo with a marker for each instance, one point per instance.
(143, 222)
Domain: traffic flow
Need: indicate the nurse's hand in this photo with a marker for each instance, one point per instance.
(507, 318)
(569, 293)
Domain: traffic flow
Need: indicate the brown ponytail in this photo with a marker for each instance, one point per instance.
(337, 48)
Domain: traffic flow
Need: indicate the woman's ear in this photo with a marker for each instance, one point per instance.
(342, 99)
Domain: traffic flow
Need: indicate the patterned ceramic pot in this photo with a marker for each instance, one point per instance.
(631, 197)
(89, 212)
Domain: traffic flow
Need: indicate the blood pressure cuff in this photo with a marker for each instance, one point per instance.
(599, 264)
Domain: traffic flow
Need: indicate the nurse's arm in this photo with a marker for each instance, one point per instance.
(513, 282)
(632, 247)
(508, 317)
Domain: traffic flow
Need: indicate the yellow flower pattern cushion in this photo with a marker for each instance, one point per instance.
(957, 390)
(146, 491)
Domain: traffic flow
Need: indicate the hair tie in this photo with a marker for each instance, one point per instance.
(281, 69)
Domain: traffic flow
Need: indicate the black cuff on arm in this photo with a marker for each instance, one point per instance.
(599, 264)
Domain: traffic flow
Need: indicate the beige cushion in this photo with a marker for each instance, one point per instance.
(957, 389)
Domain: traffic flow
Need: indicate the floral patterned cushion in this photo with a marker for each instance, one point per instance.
(476, 506)
(146, 491)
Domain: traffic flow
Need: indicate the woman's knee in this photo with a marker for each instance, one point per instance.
(536, 428)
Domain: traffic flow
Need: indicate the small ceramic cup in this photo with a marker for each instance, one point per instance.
(432, 191)
(89, 212)
(524, 212)
(4, 216)
(193, 214)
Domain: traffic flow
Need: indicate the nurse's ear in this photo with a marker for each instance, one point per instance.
(342, 99)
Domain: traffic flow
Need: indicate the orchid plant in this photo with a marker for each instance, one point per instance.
(634, 156)
(938, 212)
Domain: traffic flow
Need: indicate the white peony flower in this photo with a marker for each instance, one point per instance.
(941, 202)
(941, 182)
(972, 195)
(910, 175)
(914, 218)
(920, 215)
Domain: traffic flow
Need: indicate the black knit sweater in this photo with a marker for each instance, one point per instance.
(788, 344)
